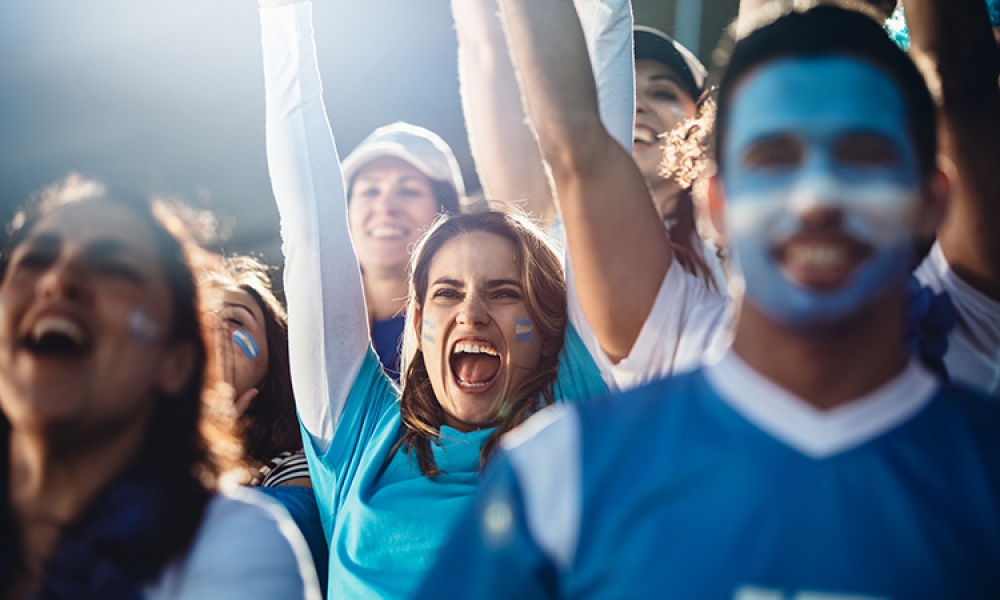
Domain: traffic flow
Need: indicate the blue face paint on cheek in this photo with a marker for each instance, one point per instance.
(524, 330)
(246, 343)
(428, 334)
(142, 327)
(812, 107)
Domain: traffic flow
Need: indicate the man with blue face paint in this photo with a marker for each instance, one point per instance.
(817, 459)
(823, 188)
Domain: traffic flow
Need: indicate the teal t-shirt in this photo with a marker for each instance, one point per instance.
(384, 521)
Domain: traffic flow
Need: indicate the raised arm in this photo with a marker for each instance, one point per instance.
(508, 160)
(327, 322)
(617, 247)
(952, 39)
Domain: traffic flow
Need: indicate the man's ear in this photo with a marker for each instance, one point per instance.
(177, 367)
(934, 203)
(716, 202)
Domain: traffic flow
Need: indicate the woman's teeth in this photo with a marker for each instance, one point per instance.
(386, 232)
(60, 326)
(475, 348)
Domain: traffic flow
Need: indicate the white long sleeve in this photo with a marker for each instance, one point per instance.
(607, 28)
(327, 321)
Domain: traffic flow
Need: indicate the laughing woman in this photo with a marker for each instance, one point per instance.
(107, 470)
(485, 331)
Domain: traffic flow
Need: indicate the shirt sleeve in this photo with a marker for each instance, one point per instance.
(300, 502)
(247, 548)
(973, 355)
(687, 325)
(607, 29)
(327, 321)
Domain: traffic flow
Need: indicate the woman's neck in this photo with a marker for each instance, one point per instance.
(664, 193)
(385, 295)
(52, 484)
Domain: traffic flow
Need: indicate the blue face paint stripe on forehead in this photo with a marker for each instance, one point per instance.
(815, 101)
(524, 330)
(246, 343)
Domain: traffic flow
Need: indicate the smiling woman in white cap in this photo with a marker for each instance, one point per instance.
(399, 179)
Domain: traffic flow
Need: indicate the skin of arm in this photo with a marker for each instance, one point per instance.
(952, 42)
(327, 321)
(506, 152)
(615, 239)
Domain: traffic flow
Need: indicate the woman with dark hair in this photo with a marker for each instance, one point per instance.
(252, 345)
(111, 447)
(251, 341)
(486, 344)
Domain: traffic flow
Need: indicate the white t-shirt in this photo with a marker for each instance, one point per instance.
(973, 356)
(247, 548)
(689, 325)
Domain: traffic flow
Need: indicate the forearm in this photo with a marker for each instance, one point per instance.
(953, 42)
(616, 243)
(327, 333)
(548, 47)
(508, 160)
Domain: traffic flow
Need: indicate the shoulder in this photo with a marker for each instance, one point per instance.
(935, 272)
(246, 547)
(284, 467)
(963, 419)
(547, 457)
(543, 455)
(971, 405)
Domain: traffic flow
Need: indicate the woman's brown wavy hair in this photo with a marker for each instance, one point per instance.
(544, 285)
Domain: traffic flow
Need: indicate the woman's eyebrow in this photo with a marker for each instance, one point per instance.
(104, 247)
(446, 281)
(666, 77)
(493, 283)
(241, 306)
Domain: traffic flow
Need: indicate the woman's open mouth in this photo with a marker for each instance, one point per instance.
(475, 365)
(56, 337)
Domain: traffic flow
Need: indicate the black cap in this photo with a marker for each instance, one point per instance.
(652, 44)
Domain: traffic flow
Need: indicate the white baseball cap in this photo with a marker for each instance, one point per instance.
(420, 147)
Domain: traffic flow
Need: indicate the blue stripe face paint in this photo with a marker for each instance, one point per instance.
(246, 343)
(524, 330)
(428, 330)
(142, 327)
(822, 187)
